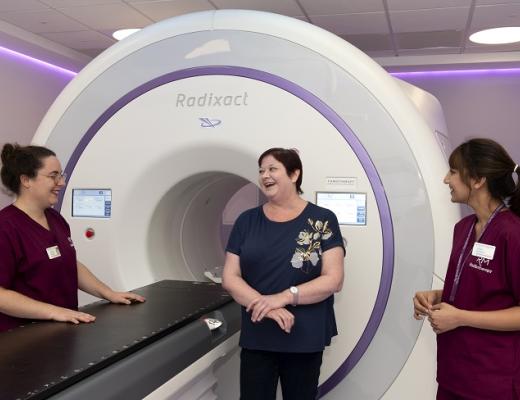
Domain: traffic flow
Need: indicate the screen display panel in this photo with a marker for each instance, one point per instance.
(92, 203)
(350, 208)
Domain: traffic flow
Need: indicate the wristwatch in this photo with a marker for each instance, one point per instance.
(294, 292)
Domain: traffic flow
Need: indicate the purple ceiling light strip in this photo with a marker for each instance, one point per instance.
(468, 72)
(351, 139)
(36, 61)
(457, 72)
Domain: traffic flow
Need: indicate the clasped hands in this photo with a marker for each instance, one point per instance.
(273, 307)
(443, 317)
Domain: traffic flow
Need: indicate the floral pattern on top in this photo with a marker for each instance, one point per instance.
(308, 255)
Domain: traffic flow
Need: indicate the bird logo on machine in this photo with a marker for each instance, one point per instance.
(209, 122)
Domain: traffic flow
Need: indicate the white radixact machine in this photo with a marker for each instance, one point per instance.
(160, 131)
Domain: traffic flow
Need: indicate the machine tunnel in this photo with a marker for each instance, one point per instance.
(191, 223)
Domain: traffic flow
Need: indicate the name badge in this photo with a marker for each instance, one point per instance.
(53, 252)
(483, 251)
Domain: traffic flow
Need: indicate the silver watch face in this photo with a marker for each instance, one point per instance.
(293, 289)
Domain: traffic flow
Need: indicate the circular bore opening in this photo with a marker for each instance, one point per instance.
(192, 222)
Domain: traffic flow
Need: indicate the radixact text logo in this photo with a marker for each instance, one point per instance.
(211, 100)
(209, 122)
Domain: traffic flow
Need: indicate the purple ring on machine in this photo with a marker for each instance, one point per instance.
(351, 139)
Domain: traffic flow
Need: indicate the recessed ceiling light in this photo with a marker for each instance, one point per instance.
(122, 33)
(509, 34)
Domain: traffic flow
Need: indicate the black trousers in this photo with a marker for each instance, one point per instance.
(260, 371)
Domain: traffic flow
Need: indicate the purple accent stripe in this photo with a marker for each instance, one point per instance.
(352, 140)
(457, 72)
(15, 54)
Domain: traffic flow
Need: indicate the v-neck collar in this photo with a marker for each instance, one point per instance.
(28, 217)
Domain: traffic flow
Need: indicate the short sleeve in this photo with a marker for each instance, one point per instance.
(7, 260)
(331, 236)
(236, 237)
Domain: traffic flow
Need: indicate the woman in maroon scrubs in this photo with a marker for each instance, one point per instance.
(477, 314)
(39, 272)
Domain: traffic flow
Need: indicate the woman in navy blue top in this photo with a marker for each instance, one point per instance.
(284, 262)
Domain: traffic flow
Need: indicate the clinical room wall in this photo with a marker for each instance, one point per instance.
(27, 90)
(478, 105)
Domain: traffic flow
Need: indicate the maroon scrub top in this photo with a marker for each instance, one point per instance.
(478, 363)
(26, 265)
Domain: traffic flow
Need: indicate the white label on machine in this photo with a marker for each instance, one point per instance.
(347, 181)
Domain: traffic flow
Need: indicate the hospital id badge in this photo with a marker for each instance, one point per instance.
(53, 252)
(482, 250)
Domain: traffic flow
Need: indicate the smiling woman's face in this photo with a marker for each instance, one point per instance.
(459, 190)
(44, 188)
(273, 178)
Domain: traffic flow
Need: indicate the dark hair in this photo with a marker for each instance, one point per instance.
(21, 160)
(485, 158)
(290, 160)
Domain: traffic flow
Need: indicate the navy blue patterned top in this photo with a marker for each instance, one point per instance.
(277, 255)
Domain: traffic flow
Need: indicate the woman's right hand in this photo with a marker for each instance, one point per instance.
(283, 318)
(424, 301)
(18, 305)
(260, 306)
(61, 314)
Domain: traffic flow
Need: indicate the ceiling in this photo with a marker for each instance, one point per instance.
(394, 29)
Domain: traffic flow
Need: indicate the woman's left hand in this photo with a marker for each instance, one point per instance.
(283, 318)
(124, 297)
(263, 304)
(444, 317)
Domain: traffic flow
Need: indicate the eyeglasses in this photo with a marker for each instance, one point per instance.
(57, 176)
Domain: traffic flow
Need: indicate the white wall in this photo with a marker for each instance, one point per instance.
(483, 105)
(27, 91)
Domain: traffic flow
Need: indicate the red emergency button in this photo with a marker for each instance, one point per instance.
(89, 233)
